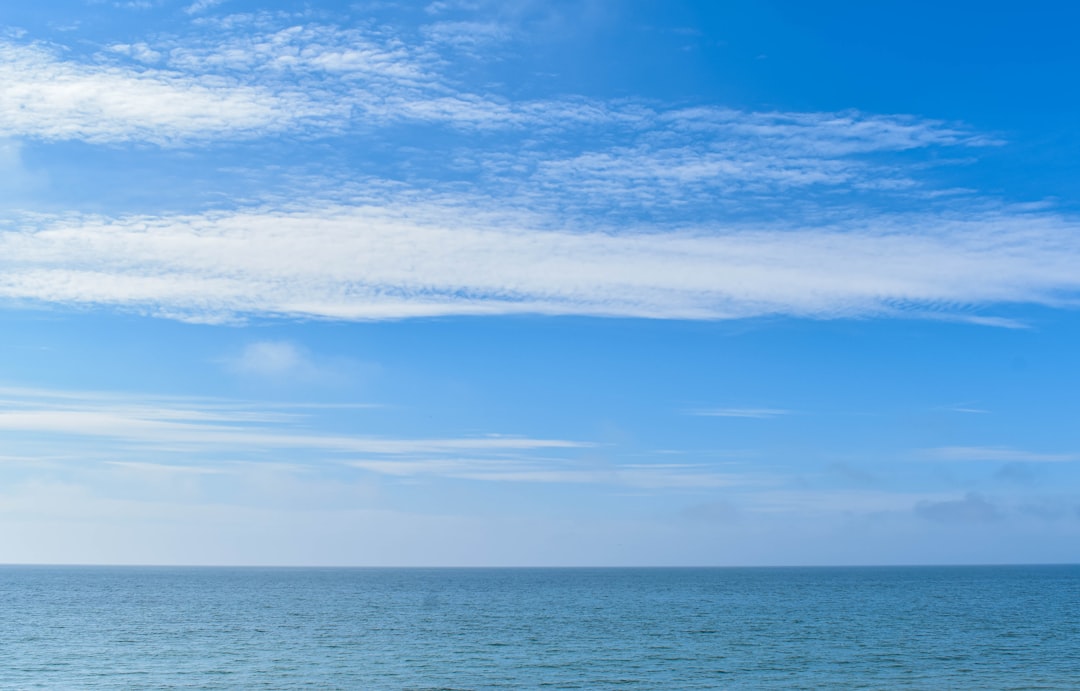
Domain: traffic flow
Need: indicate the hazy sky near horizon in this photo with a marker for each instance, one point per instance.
(469, 282)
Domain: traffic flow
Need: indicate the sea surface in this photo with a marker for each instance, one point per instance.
(726, 628)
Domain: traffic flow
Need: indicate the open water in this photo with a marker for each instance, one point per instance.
(789, 628)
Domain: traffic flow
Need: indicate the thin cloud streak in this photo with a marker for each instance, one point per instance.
(760, 413)
(120, 432)
(134, 420)
(995, 453)
(654, 476)
(163, 426)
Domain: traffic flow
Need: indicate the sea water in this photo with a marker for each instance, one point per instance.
(255, 628)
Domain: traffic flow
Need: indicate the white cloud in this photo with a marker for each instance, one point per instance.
(827, 134)
(242, 84)
(43, 96)
(623, 172)
(466, 35)
(198, 437)
(247, 76)
(140, 51)
(462, 253)
(697, 154)
(271, 358)
(200, 427)
(526, 470)
(252, 76)
(201, 6)
(392, 262)
(441, 6)
(311, 50)
(175, 427)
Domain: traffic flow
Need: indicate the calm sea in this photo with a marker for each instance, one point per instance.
(226, 628)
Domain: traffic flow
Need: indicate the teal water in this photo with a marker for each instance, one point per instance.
(224, 628)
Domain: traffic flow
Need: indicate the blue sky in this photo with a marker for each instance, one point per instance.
(539, 283)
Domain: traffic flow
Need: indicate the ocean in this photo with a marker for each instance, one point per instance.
(1010, 627)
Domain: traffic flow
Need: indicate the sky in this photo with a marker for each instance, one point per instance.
(525, 283)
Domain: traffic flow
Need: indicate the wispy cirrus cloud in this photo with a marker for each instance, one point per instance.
(317, 52)
(498, 225)
(759, 413)
(45, 97)
(385, 77)
(201, 6)
(243, 83)
(218, 426)
(643, 476)
(178, 428)
(208, 437)
(165, 469)
(386, 262)
(243, 76)
(683, 155)
(828, 134)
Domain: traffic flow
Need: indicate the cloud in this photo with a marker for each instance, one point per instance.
(277, 360)
(561, 471)
(691, 155)
(176, 427)
(263, 75)
(241, 84)
(390, 262)
(441, 6)
(204, 437)
(466, 36)
(139, 51)
(202, 425)
(161, 468)
(973, 508)
(829, 134)
(760, 413)
(18, 183)
(45, 97)
(201, 6)
(966, 409)
(519, 235)
(269, 357)
(996, 453)
(244, 76)
(318, 54)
